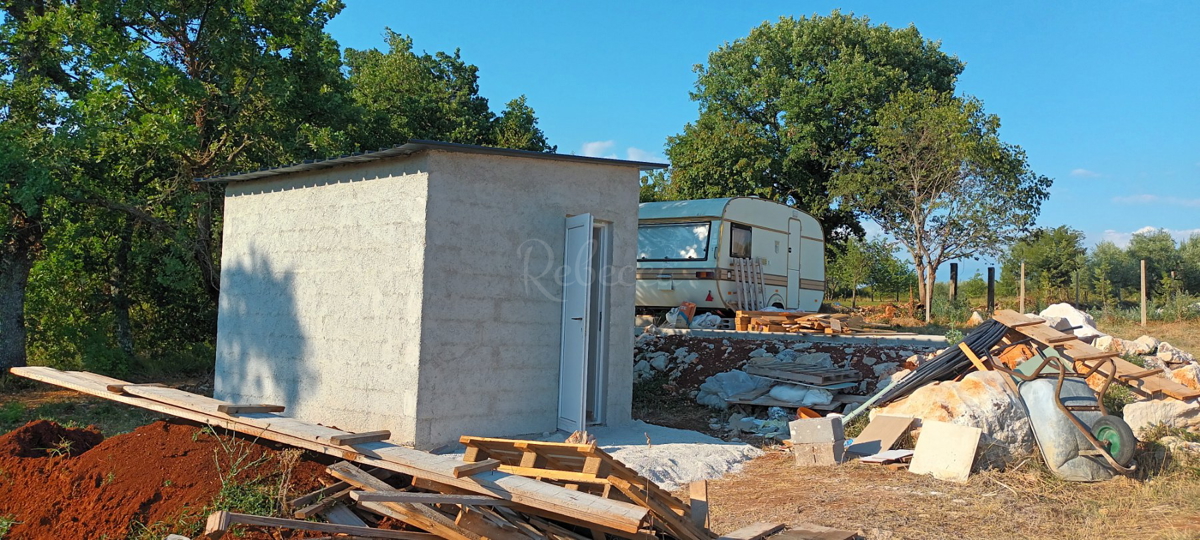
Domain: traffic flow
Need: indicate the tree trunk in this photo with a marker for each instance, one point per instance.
(930, 280)
(120, 292)
(14, 276)
(854, 298)
(203, 250)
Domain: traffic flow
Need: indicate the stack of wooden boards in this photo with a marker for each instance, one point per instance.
(495, 494)
(806, 323)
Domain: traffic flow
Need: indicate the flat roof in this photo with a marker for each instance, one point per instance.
(415, 146)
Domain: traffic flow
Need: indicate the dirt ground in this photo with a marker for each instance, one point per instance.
(164, 477)
(1026, 502)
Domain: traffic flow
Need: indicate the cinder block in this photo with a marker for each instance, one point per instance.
(818, 454)
(817, 430)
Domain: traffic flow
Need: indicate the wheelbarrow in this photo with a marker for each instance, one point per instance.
(1077, 437)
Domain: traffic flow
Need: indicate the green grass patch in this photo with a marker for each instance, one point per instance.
(109, 417)
(6, 524)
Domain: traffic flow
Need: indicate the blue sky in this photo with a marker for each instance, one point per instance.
(1103, 96)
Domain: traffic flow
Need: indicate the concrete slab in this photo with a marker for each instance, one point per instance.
(880, 434)
(945, 451)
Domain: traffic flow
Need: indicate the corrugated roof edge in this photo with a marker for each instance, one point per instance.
(412, 147)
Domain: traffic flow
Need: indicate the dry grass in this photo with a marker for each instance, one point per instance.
(1026, 502)
(1182, 334)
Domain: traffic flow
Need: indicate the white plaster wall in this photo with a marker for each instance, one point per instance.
(491, 337)
(321, 295)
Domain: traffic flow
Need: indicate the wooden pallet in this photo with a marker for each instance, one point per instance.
(1141, 381)
(586, 467)
(791, 372)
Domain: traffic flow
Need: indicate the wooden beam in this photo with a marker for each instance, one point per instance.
(120, 388)
(249, 409)
(426, 498)
(219, 523)
(756, 531)
(531, 496)
(971, 356)
(321, 505)
(550, 474)
(698, 503)
(361, 438)
(422, 517)
(472, 469)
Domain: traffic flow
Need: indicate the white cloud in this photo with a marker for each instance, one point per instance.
(598, 149)
(1145, 198)
(637, 154)
(1084, 173)
(1121, 239)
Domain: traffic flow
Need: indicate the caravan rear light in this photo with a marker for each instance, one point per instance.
(706, 275)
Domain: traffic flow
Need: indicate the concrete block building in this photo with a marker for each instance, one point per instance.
(432, 289)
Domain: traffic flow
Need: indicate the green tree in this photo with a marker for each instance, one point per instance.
(852, 268)
(779, 107)
(939, 180)
(1158, 249)
(1052, 258)
(1112, 270)
(1189, 255)
(890, 274)
(404, 95)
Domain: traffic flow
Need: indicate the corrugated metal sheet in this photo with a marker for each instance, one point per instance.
(413, 147)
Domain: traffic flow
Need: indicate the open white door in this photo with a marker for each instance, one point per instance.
(576, 324)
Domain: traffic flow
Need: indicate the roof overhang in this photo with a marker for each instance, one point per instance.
(416, 146)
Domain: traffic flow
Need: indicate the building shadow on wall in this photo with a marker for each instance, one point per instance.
(261, 344)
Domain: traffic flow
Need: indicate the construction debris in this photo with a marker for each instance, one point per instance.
(807, 323)
(946, 451)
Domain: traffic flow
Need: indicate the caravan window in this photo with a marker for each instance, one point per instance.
(739, 241)
(673, 242)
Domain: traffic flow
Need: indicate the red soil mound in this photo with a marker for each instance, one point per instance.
(157, 473)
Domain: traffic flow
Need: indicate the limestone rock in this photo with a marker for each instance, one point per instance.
(981, 400)
(870, 361)
(1073, 317)
(818, 359)
(1120, 346)
(885, 369)
(1170, 412)
(758, 352)
(1146, 345)
(1188, 376)
(1169, 354)
(975, 320)
(659, 363)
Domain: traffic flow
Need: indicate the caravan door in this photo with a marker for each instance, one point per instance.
(793, 264)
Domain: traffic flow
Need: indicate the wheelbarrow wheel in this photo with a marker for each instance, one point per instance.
(1115, 434)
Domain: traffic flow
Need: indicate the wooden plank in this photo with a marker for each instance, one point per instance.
(809, 531)
(249, 409)
(219, 524)
(327, 491)
(534, 497)
(677, 525)
(946, 451)
(418, 516)
(698, 503)
(120, 388)
(979, 365)
(322, 504)
(1140, 374)
(756, 531)
(551, 474)
(360, 438)
(471, 519)
(880, 434)
(471, 469)
(426, 498)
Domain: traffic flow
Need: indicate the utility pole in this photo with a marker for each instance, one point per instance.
(1022, 286)
(953, 281)
(991, 295)
(1143, 292)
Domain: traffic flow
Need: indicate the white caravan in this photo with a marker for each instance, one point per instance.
(696, 251)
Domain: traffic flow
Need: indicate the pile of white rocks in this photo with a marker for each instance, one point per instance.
(1177, 365)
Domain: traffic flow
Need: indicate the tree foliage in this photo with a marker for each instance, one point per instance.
(938, 179)
(1052, 258)
(780, 109)
(110, 109)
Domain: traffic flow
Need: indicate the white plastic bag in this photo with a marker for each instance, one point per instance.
(706, 320)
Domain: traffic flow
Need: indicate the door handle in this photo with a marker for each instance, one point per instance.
(576, 318)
